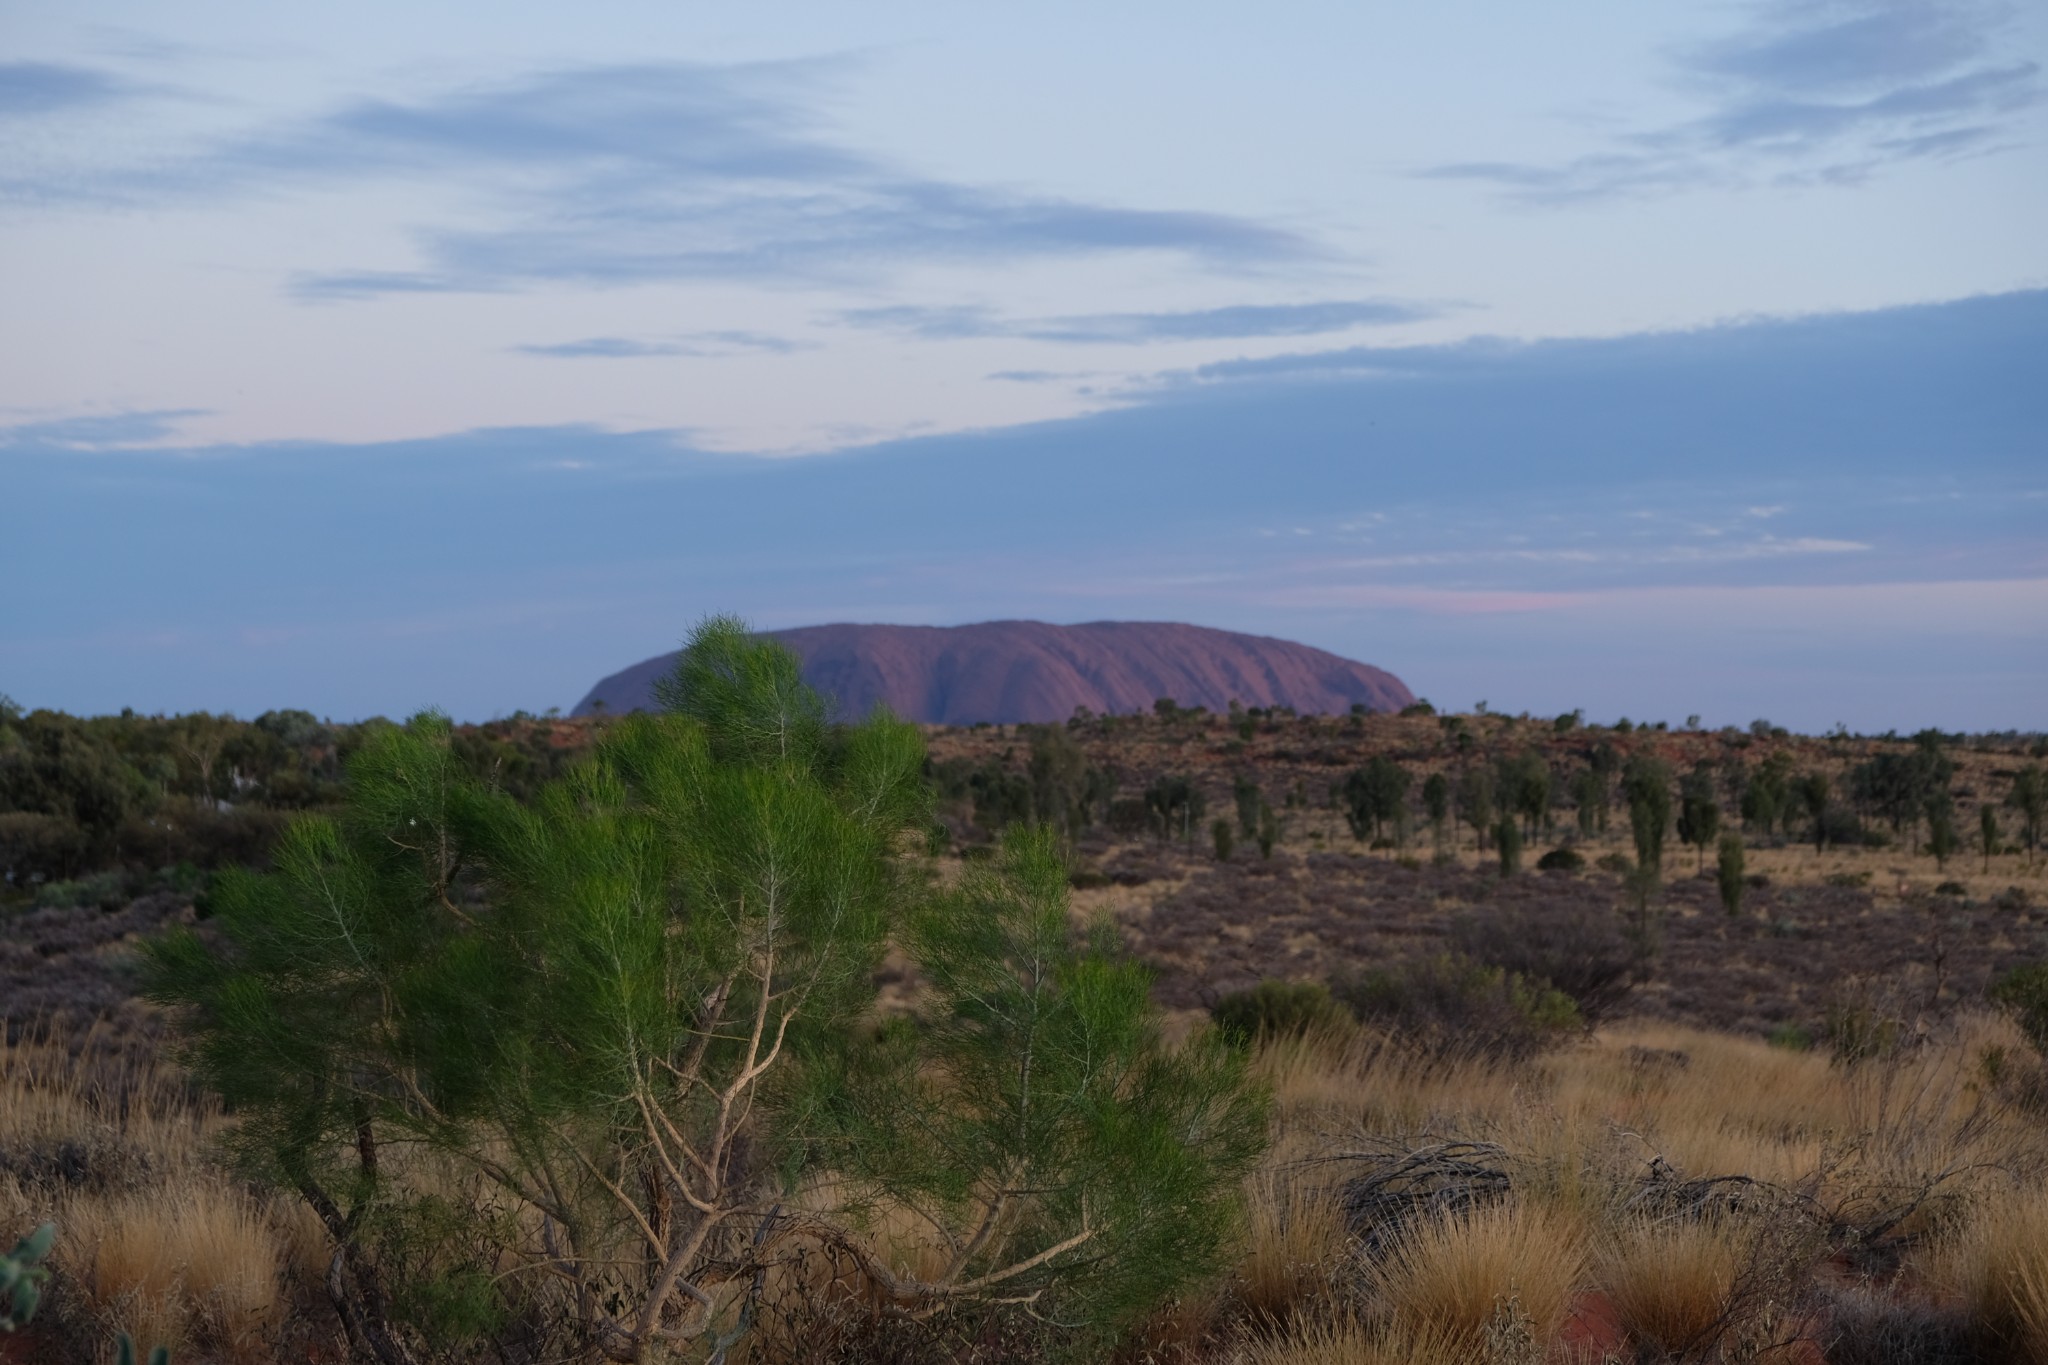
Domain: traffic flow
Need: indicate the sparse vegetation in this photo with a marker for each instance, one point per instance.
(1772, 1129)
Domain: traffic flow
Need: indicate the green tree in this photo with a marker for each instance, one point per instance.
(1589, 793)
(633, 1014)
(2029, 796)
(1436, 803)
(1527, 785)
(1249, 800)
(1728, 873)
(1699, 815)
(1646, 785)
(1374, 795)
(1475, 802)
(1987, 831)
(1176, 807)
(1507, 837)
(1812, 791)
(1224, 838)
(1898, 786)
(1942, 838)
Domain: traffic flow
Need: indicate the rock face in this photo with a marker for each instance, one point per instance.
(1009, 671)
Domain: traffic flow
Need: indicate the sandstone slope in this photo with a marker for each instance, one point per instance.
(1010, 671)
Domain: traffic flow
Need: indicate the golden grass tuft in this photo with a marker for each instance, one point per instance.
(1996, 1266)
(190, 1262)
(1455, 1275)
(1347, 1341)
(1295, 1243)
(1672, 1283)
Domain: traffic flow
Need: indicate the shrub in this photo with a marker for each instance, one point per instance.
(1562, 860)
(1791, 1037)
(35, 847)
(1583, 953)
(1451, 1006)
(1507, 839)
(1224, 838)
(1728, 873)
(2023, 994)
(22, 1276)
(630, 1018)
(1276, 1009)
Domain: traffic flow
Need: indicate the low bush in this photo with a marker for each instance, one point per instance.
(1583, 953)
(1276, 1009)
(1562, 860)
(1449, 1005)
(2023, 994)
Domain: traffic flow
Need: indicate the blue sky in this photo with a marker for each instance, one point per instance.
(1650, 359)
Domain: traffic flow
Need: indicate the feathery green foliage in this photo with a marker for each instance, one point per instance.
(636, 1012)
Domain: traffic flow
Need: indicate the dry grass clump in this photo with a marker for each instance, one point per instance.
(1295, 1245)
(1348, 1341)
(189, 1263)
(1996, 1266)
(152, 1239)
(1456, 1276)
(1673, 1282)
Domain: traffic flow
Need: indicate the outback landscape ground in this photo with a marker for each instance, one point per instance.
(1520, 1114)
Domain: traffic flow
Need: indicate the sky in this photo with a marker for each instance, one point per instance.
(1651, 360)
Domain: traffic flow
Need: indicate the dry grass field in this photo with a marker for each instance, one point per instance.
(1670, 1185)
(1655, 1192)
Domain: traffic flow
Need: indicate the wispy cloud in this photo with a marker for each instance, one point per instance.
(1820, 91)
(28, 89)
(697, 344)
(1207, 324)
(625, 174)
(99, 431)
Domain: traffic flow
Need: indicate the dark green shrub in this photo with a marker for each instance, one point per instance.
(1128, 816)
(1791, 1037)
(1450, 1006)
(1276, 1009)
(1507, 839)
(1562, 860)
(1728, 874)
(1581, 952)
(2023, 994)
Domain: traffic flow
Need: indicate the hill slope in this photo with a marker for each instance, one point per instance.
(1009, 671)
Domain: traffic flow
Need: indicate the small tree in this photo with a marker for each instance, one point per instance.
(1374, 795)
(1224, 838)
(1245, 793)
(1647, 785)
(1942, 839)
(631, 1016)
(1436, 803)
(1176, 806)
(1589, 797)
(1699, 824)
(2029, 796)
(1728, 873)
(1812, 791)
(1269, 830)
(1507, 837)
(1475, 802)
(1987, 831)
